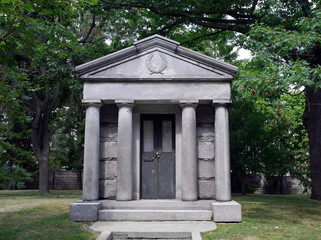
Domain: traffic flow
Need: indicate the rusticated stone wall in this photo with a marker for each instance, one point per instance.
(205, 151)
(108, 152)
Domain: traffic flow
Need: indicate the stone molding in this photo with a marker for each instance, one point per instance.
(92, 102)
(222, 103)
(188, 103)
(154, 42)
(125, 103)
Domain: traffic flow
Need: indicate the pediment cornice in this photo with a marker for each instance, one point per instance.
(142, 55)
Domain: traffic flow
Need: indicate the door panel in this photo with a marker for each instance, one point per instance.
(167, 145)
(149, 174)
(148, 137)
(166, 176)
(158, 157)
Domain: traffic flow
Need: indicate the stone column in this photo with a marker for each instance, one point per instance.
(189, 158)
(222, 153)
(91, 153)
(125, 151)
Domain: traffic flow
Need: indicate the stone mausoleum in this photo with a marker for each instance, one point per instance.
(156, 136)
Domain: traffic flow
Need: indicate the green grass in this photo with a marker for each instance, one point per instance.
(25, 215)
(273, 217)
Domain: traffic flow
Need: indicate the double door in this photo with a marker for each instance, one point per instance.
(158, 156)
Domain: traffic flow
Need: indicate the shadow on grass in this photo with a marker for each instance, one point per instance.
(273, 217)
(34, 193)
(50, 221)
(293, 208)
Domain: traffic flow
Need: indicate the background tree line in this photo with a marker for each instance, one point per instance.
(275, 116)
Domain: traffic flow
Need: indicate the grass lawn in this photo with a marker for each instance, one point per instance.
(25, 215)
(273, 217)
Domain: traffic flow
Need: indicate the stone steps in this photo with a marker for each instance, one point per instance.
(157, 204)
(152, 235)
(154, 215)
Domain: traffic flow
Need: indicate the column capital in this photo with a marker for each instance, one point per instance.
(188, 103)
(222, 103)
(125, 103)
(92, 102)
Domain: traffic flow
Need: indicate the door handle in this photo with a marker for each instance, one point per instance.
(158, 153)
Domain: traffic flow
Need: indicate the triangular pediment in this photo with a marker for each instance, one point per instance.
(156, 58)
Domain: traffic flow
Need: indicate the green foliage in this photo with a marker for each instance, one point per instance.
(13, 177)
(42, 41)
(267, 134)
(286, 54)
(15, 140)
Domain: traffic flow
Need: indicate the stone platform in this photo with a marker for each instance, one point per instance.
(156, 210)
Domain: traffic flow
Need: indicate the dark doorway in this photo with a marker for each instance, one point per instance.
(158, 156)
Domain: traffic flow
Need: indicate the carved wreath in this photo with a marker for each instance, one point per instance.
(155, 70)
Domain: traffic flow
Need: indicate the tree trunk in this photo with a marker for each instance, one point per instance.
(312, 120)
(40, 137)
(243, 181)
(79, 180)
(281, 184)
(44, 176)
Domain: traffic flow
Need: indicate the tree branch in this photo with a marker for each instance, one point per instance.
(294, 94)
(214, 25)
(305, 6)
(168, 27)
(93, 25)
(255, 2)
(55, 98)
(35, 122)
(223, 24)
(227, 21)
(203, 36)
(54, 129)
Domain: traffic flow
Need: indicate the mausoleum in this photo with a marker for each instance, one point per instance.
(156, 136)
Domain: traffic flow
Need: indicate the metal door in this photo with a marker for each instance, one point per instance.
(158, 156)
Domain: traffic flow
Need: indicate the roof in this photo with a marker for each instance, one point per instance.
(156, 58)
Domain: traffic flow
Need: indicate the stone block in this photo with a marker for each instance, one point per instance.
(107, 189)
(204, 114)
(154, 215)
(205, 133)
(105, 235)
(109, 113)
(108, 150)
(108, 170)
(230, 211)
(84, 211)
(206, 189)
(196, 236)
(205, 150)
(206, 169)
(108, 133)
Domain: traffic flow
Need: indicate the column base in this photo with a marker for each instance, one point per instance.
(227, 212)
(84, 211)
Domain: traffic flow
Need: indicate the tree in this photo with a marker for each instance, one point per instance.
(267, 136)
(17, 162)
(282, 34)
(40, 44)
